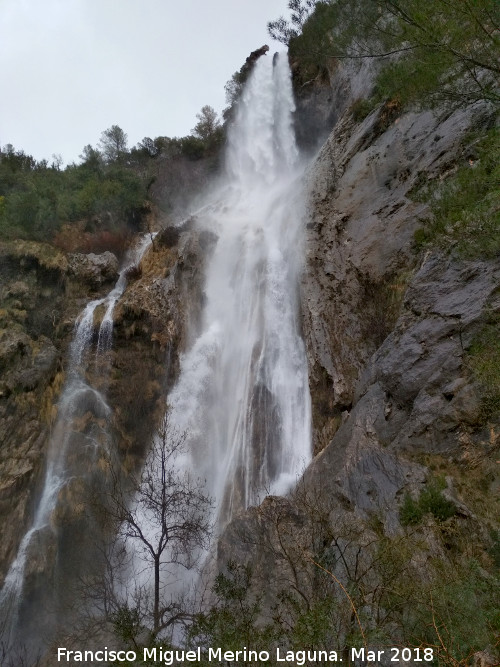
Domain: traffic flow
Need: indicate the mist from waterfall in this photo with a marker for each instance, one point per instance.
(242, 397)
(75, 447)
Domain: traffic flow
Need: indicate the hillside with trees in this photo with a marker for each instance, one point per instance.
(100, 202)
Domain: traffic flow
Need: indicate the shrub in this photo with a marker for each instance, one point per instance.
(433, 502)
(361, 108)
(430, 501)
(410, 513)
(429, 50)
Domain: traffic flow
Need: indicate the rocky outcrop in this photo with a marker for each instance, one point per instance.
(31, 307)
(150, 326)
(322, 99)
(94, 270)
(429, 393)
(43, 291)
(251, 60)
(360, 257)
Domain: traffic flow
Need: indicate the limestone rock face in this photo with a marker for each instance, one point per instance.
(31, 306)
(320, 106)
(421, 364)
(94, 270)
(359, 243)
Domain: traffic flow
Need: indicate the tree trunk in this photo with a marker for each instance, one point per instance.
(156, 608)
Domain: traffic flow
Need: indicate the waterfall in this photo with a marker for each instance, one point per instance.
(242, 397)
(241, 402)
(73, 451)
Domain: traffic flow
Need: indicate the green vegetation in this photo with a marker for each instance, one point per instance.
(457, 612)
(106, 191)
(430, 50)
(431, 501)
(37, 198)
(232, 621)
(361, 108)
(466, 206)
(357, 590)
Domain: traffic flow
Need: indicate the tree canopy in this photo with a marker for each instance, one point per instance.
(441, 49)
(113, 143)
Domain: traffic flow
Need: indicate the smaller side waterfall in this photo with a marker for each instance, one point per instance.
(79, 438)
(133, 259)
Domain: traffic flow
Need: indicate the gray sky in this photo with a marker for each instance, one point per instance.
(69, 69)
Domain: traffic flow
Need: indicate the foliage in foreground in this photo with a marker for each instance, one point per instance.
(430, 50)
(376, 602)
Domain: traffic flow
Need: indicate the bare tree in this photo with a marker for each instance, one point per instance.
(162, 526)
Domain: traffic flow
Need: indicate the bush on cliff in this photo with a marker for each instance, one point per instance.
(466, 206)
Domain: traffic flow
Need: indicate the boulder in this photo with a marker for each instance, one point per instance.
(94, 270)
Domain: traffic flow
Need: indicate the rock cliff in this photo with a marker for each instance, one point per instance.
(388, 329)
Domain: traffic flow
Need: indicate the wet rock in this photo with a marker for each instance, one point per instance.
(319, 106)
(386, 383)
(12, 345)
(168, 237)
(42, 366)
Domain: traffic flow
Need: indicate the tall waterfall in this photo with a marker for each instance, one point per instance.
(242, 397)
(76, 445)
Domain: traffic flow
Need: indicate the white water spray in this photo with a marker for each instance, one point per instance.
(243, 397)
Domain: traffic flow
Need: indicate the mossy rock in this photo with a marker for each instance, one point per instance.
(44, 254)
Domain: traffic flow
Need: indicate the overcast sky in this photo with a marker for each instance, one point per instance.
(69, 69)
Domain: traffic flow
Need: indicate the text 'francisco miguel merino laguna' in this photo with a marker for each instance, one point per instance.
(172, 656)
(217, 655)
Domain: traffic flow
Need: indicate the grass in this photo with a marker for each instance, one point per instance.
(44, 254)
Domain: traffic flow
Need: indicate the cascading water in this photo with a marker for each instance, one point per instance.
(243, 397)
(73, 451)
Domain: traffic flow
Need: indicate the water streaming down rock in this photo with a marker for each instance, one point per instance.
(242, 397)
(29, 599)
